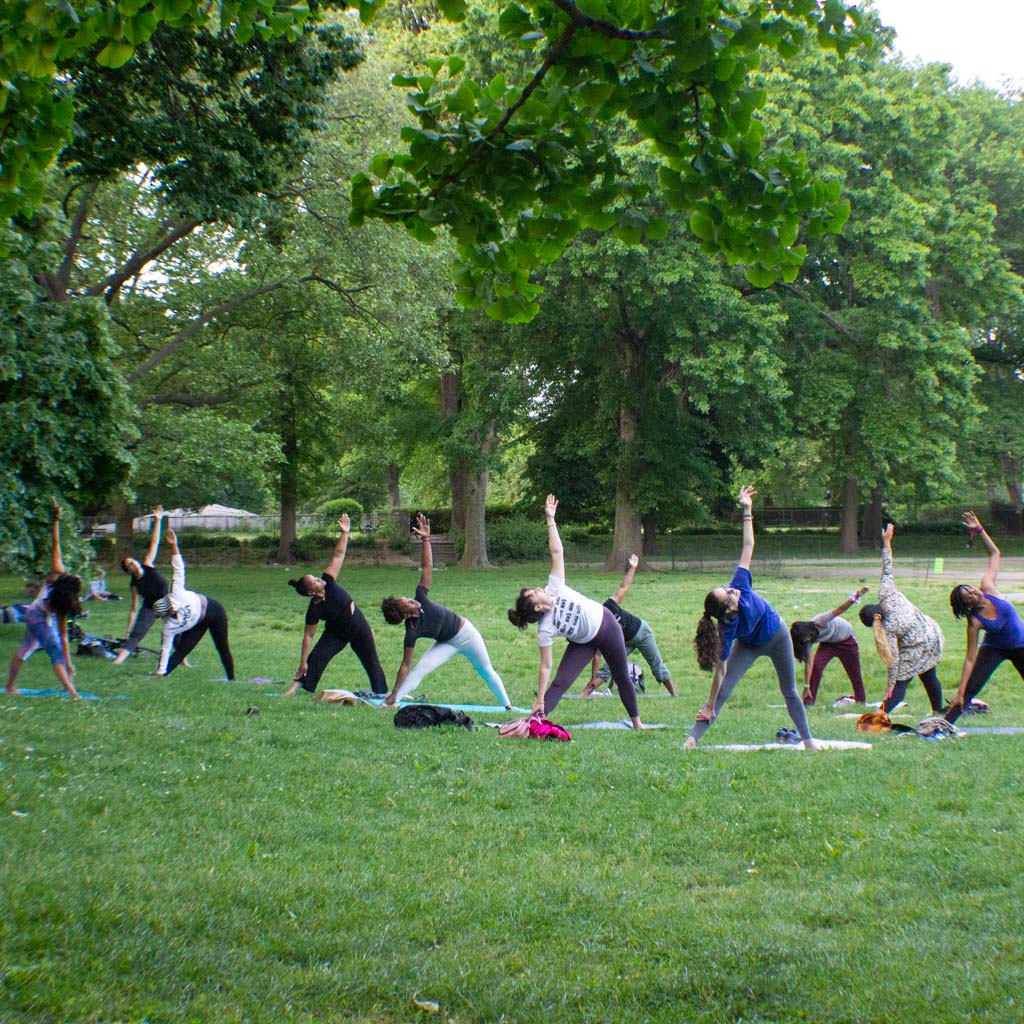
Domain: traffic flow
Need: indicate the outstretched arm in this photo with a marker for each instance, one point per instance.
(422, 530)
(988, 581)
(747, 504)
(177, 562)
(554, 541)
(154, 540)
(543, 676)
(853, 599)
(56, 558)
(707, 712)
(973, 630)
(338, 558)
(627, 580)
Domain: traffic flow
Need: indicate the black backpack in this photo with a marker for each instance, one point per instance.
(421, 716)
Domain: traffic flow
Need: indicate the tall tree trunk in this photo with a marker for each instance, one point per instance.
(451, 405)
(474, 553)
(123, 531)
(626, 539)
(394, 491)
(289, 491)
(871, 524)
(649, 522)
(849, 538)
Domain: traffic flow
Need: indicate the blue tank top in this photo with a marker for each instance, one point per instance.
(1006, 630)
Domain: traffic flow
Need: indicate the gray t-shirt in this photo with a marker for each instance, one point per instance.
(832, 629)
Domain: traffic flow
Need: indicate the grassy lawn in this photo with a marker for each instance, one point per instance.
(168, 857)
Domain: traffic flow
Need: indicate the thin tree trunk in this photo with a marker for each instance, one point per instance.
(649, 522)
(1012, 478)
(394, 491)
(474, 553)
(289, 492)
(849, 539)
(123, 530)
(451, 405)
(871, 524)
(626, 538)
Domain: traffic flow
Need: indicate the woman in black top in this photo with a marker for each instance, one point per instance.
(146, 583)
(344, 624)
(451, 633)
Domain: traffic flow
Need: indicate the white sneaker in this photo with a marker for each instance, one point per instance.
(843, 701)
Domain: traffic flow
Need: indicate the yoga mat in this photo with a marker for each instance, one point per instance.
(625, 723)
(64, 693)
(992, 730)
(480, 709)
(825, 744)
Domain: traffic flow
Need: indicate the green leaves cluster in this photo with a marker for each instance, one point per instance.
(517, 168)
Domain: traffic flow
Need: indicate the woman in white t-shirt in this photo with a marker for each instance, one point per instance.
(835, 639)
(587, 625)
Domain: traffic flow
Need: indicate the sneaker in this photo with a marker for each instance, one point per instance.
(843, 701)
(976, 707)
(787, 736)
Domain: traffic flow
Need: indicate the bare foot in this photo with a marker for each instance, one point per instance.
(292, 690)
(637, 724)
(690, 744)
(12, 690)
(812, 744)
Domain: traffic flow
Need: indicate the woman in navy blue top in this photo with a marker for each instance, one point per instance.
(986, 610)
(737, 628)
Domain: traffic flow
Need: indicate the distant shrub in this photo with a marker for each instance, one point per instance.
(336, 506)
(518, 538)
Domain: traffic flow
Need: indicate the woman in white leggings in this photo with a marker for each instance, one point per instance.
(451, 633)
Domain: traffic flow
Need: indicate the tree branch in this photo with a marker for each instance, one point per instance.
(112, 284)
(604, 28)
(835, 324)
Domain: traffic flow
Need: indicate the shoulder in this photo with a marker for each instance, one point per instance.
(742, 579)
(422, 592)
(327, 577)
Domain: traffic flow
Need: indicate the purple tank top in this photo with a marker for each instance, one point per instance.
(1006, 630)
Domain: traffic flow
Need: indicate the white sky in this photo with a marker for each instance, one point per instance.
(982, 39)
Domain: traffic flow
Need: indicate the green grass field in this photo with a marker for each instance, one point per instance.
(168, 858)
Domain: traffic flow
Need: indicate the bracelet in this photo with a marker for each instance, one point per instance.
(975, 531)
(854, 599)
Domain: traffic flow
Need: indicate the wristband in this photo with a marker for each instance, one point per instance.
(854, 598)
(975, 531)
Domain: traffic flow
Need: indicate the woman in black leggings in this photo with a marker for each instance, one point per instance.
(344, 624)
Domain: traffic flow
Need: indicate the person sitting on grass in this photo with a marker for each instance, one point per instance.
(145, 583)
(638, 636)
(187, 616)
(46, 618)
(451, 633)
(985, 609)
(835, 639)
(98, 589)
(588, 626)
(344, 624)
(738, 627)
(908, 641)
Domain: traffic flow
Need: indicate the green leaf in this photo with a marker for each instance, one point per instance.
(702, 226)
(759, 276)
(115, 54)
(657, 229)
(453, 10)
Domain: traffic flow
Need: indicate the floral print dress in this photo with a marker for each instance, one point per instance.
(917, 638)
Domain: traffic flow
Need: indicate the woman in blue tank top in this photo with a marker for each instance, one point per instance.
(985, 609)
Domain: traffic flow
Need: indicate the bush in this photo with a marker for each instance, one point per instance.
(519, 538)
(336, 506)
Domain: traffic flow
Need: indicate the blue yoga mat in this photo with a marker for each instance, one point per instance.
(625, 723)
(53, 692)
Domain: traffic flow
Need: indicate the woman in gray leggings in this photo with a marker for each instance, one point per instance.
(737, 628)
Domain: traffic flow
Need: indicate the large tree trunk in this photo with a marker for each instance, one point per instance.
(123, 531)
(451, 405)
(871, 524)
(474, 554)
(649, 522)
(289, 491)
(626, 538)
(849, 542)
(1012, 478)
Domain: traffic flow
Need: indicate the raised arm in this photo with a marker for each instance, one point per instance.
(747, 504)
(853, 599)
(627, 580)
(56, 558)
(554, 541)
(338, 558)
(988, 581)
(422, 530)
(154, 540)
(177, 562)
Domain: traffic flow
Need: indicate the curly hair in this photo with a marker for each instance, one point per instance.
(867, 614)
(524, 612)
(64, 591)
(300, 587)
(707, 641)
(390, 610)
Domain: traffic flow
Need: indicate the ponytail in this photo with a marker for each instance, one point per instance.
(882, 643)
(300, 587)
(707, 642)
(524, 611)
